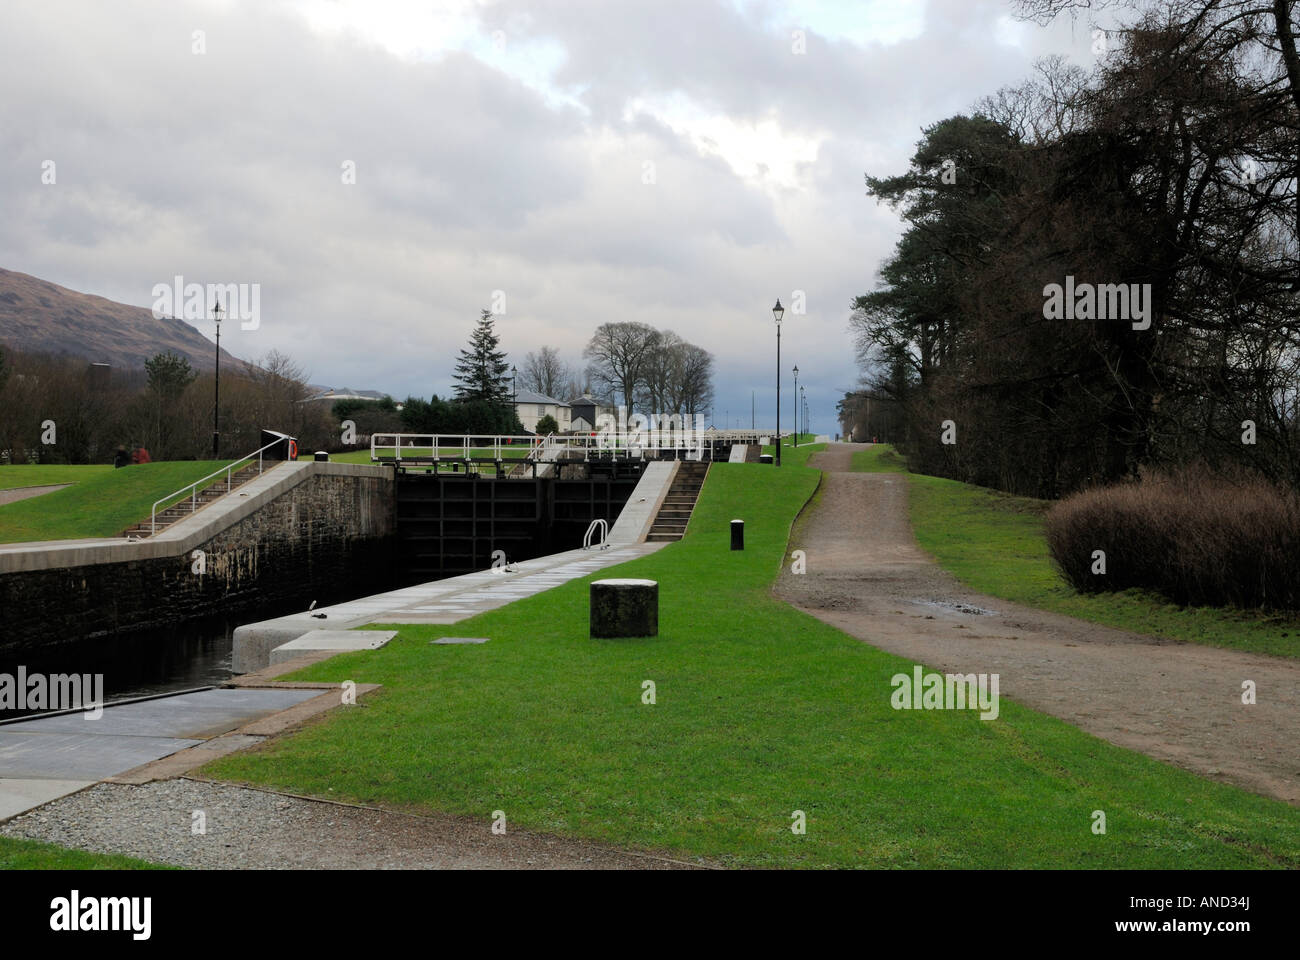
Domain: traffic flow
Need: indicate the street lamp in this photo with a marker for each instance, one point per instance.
(796, 405)
(803, 402)
(778, 312)
(216, 386)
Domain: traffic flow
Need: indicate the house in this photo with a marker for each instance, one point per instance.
(586, 411)
(531, 407)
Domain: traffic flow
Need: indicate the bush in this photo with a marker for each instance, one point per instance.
(1196, 538)
(545, 425)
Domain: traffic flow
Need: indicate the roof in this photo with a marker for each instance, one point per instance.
(528, 396)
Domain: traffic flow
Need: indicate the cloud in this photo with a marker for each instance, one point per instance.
(675, 162)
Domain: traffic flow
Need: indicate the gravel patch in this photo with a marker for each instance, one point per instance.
(256, 829)
(23, 493)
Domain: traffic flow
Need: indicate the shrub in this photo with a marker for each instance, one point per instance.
(1195, 537)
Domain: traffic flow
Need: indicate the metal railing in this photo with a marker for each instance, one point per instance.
(546, 448)
(435, 447)
(193, 488)
(598, 524)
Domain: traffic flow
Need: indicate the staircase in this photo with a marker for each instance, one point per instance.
(675, 513)
(190, 505)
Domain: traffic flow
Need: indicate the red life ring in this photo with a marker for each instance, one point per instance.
(293, 449)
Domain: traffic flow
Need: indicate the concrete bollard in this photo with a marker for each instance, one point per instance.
(624, 608)
(737, 534)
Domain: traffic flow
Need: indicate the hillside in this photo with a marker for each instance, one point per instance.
(42, 317)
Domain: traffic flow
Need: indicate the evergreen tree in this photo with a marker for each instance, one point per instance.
(481, 369)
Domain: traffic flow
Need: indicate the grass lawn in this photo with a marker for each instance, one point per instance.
(994, 543)
(14, 476)
(33, 855)
(877, 459)
(760, 711)
(102, 505)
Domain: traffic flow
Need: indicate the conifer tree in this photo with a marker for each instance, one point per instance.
(481, 369)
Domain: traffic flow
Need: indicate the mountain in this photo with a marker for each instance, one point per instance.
(37, 316)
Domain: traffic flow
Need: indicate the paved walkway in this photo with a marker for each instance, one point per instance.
(439, 601)
(1177, 702)
(50, 756)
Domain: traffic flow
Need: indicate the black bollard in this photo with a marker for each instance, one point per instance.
(737, 534)
(322, 456)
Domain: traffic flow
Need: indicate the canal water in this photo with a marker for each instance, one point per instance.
(195, 654)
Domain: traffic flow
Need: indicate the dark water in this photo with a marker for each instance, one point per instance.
(195, 654)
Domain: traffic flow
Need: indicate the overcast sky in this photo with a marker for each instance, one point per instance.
(675, 162)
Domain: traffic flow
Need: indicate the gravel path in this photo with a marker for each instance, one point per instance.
(22, 493)
(254, 829)
(1177, 702)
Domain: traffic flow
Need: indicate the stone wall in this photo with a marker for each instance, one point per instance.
(322, 534)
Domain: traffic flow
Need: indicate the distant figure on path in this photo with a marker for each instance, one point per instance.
(121, 458)
(140, 455)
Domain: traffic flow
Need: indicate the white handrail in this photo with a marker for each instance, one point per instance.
(600, 523)
(436, 447)
(228, 469)
(465, 443)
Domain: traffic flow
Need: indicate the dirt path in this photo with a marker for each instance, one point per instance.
(1177, 702)
(22, 493)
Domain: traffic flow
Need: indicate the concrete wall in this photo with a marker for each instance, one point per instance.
(303, 531)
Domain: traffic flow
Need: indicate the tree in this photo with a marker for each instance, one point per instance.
(545, 373)
(167, 376)
(660, 374)
(4, 368)
(618, 355)
(481, 369)
(547, 425)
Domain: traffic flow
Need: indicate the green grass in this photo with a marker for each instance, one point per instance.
(14, 476)
(877, 459)
(994, 543)
(102, 505)
(761, 710)
(34, 855)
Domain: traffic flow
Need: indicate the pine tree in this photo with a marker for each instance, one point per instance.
(481, 370)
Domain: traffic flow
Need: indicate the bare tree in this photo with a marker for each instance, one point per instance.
(546, 373)
(618, 354)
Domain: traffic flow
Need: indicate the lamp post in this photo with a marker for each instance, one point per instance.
(778, 312)
(514, 394)
(803, 403)
(216, 386)
(796, 405)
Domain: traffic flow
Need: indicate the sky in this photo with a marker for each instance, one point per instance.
(384, 170)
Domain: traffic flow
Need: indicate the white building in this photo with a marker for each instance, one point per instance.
(531, 407)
